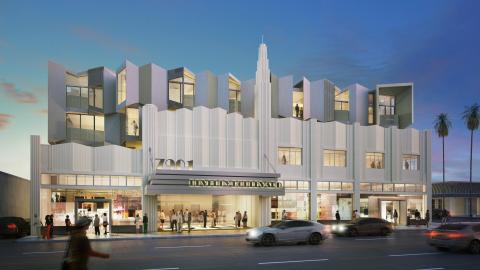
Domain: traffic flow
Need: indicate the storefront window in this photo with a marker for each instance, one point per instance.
(328, 204)
(347, 186)
(377, 187)
(388, 187)
(304, 185)
(290, 156)
(410, 188)
(399, 188)
(365, 187)
(414, 204)
(334, 158)
(323, 185)
(335, 185)
(363, 207)
(374, 160)
(296, 205)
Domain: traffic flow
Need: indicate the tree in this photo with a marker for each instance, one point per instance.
(442, 125)
(471, 116)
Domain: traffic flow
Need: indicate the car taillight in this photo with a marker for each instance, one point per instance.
(432, 234)
(455, 235)
(12, 226)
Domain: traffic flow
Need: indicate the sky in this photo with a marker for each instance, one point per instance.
(434, 44)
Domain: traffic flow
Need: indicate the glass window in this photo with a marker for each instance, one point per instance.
(188, 95)
(335, 185)
(85, 180)
(399, 187)
(386, 105)
(305, 185)
(374, 160)
(122, 86)
(290, 156)
(334, 158)
(377, 187)
(99, 123)
(346, 186)
(323, 186)
(99, 98)
(388, 187)
(100, 180)
(296, 205)
(410, 188)
(370, 109)
(87, 122)
(133, 122)
(118, 180)
(329, 204)
(341, 101)
(419, 188)
(174, 92)
(73, 120)
(290, 184)
(73, 97)
(410, 162)
(67, 180)
(365, 187)
(134, 181)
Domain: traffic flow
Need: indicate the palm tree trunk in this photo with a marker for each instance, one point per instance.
(443, 170)
(470, 188)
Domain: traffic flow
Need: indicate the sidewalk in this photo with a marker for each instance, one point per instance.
(157, 235)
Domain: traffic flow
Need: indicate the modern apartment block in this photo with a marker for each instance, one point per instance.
(146, 139)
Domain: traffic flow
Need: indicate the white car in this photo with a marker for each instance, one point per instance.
(295, 231)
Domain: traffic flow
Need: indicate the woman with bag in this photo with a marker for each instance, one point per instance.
(79, 249)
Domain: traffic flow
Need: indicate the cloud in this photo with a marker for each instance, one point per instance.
(17, 95)
(5, 120)
(89, 34)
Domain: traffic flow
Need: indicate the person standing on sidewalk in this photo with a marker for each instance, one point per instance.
(189, 220)
(145, 223)
(137, 223)
(68, 224)
(79, 249)
(427, 218)
(51, 226)
(180, 221)
(244, 219)
(395, 217)
(205, 215)
(96, 225)
(337, 217)
(105, 223)
(162, 219)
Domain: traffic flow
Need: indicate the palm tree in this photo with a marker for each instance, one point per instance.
(442, 125)
(471, 116)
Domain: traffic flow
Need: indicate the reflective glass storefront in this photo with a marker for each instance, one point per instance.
(328, 204)
(296, 206)
(224, 207)
(125, 204)
(384, 206)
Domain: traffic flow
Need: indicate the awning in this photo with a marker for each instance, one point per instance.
(214, 183)
(456, 189)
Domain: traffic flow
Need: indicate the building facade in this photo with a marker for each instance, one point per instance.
(146, 139)
(456, 195)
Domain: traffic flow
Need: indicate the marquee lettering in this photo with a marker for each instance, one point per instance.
(233, 183)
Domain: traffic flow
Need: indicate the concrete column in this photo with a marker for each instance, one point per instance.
(356, 195)
(34, 183)
(149, 206)
(428, 169)
(265, 215)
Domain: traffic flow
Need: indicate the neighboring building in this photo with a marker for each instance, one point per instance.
(141, 140)
(456, 194)
(15, 195)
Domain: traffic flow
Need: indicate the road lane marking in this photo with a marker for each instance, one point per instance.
(437, 268)
(414, 254)
(42, 252)
(170, 268)
(372, 239)
(185, 247)
(299, 261)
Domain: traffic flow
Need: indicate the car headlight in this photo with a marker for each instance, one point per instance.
(339, 228)
(254, 233)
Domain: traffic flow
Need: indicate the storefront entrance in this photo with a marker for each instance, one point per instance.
(91, 207)
(388, 208)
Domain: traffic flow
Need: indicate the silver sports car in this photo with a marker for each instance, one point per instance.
(295, 231)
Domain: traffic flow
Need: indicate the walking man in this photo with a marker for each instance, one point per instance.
(337, 217)
(189, 220)
(145, 223)
(395, 217)
(96, 225)
(205, 215)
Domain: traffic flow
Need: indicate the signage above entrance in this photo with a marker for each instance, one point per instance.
(233, 184)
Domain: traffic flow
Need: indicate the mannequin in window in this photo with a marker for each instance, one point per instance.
(379, 165)
(372, 165)
(135, 127)
(284, 160)
(297, 110)
(406, 165)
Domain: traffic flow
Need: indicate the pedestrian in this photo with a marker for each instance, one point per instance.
(395, 217)
(444, 215)
(145, 223)
(205, 215)
(170, 217)
(162, 219)
(79, 249)
(417, 214)
(239, 218)
(96, 225)
(68, 223)
(297, 110)
(427, 218)
(46, 233)
(51, 226)
(105, 223)
(180, 221)
(235, 217)
(188, 215)
(174, 221)
(137, 223)
(245, 219)
(284, 214)
(337, 217)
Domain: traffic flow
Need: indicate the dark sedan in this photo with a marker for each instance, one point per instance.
(364, 226)
(456, 236)
(14, 227)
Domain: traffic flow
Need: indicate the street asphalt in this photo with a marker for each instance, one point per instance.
(401, 250)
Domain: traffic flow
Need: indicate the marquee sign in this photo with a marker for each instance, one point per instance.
(233, 183)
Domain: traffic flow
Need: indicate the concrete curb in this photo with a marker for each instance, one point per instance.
(30, 239)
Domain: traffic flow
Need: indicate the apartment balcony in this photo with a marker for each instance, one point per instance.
(389, 120)
(342, 116)
(86, 136)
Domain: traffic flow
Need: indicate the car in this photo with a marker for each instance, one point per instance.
(288, 231)
(14, 227)
(456, 236)
(364, 226)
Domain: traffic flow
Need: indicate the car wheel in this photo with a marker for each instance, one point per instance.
(315, 239)
(474, 247)
(384, 231)
(353, 232)
(268, 240)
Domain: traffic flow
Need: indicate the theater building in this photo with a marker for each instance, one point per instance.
(145, 139)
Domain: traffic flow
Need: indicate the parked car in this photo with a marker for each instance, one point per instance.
(456, 236)
(364, 226)
(288, 231)
(14, 226)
